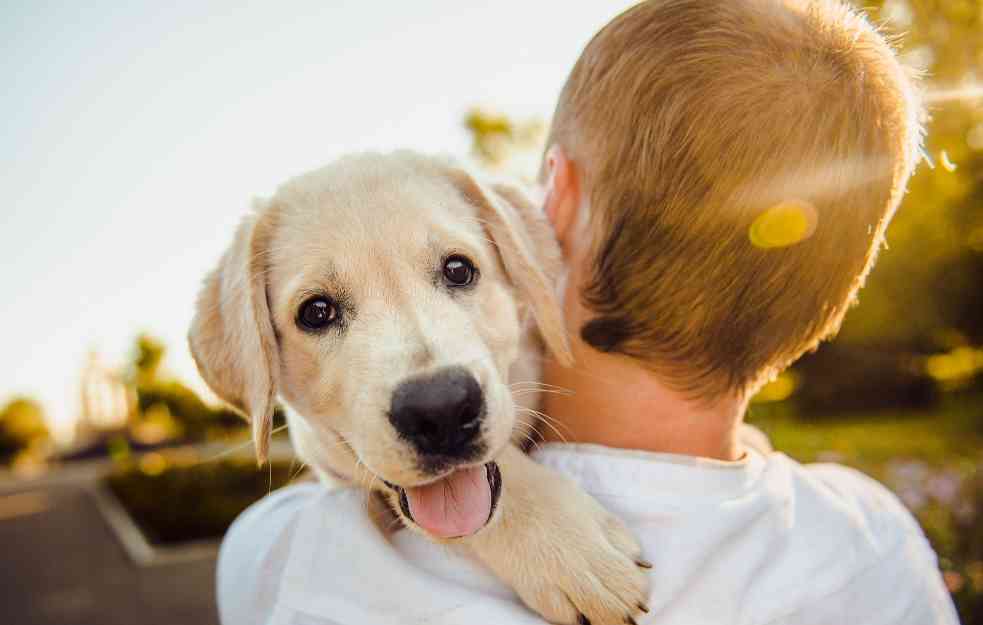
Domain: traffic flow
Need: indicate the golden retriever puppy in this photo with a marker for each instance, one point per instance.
(390, 301)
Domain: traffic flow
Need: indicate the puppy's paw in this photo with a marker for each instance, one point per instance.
(590, 571)
(564, 555)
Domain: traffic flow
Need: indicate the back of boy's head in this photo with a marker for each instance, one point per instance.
(742, 159)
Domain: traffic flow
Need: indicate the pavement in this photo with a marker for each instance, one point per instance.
(62, 565)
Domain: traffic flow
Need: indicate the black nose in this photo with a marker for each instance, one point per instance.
(440, 414)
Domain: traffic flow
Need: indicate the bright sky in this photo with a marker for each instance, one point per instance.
(134, 135)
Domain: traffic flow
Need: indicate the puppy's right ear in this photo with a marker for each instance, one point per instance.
(232, 338)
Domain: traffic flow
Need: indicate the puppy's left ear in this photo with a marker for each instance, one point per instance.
(528, 250)
(232, 338)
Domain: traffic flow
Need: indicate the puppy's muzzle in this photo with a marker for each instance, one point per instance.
(440, 414)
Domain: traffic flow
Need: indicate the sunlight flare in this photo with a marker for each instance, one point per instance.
(784, 224)
(946, 162)
(960, 94)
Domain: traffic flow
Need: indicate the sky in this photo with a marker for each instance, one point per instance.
(134, 135)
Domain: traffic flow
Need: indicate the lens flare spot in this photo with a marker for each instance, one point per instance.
(784, 224)
(947, 163)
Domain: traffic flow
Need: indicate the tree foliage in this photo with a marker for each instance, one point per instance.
(168, 402)
(22, 428)
(925, 292)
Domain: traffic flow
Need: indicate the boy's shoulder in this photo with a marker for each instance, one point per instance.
(834, 495)
(802, 544)
(846, 545)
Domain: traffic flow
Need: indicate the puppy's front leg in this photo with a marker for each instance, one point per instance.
(566, 557)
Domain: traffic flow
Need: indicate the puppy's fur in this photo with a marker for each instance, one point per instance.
(371, 232)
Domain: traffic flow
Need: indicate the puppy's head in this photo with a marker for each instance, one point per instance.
(383, 299)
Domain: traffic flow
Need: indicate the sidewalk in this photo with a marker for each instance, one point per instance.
(62, 565)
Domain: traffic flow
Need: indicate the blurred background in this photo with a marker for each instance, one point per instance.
(134, 137)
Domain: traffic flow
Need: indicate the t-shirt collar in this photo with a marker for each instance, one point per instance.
(637, 473)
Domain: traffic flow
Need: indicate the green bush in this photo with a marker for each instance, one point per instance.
(22, 428)
(198, 501)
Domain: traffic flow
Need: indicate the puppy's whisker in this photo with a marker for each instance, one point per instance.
(296, 474)
(527, 391)
(553, 420)
(236, 448)
(546, 421)
(537, 383)
(534, 389)
(532, 440)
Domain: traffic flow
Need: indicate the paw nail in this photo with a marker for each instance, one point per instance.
(583, 620)
(645, 564)
(630, 620)
(644, 608)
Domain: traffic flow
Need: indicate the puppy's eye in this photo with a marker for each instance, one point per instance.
(317, 313)
(458, 271)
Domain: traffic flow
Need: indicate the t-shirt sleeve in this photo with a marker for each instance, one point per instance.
(903, 586)
(254, 553)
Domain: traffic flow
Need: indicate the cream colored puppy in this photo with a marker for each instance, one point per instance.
(390, 301)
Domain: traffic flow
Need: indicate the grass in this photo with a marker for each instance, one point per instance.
(952, 433)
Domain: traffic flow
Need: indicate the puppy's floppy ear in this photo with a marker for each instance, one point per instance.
(232, 338)
(528, 251)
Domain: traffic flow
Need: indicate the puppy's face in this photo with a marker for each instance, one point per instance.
(395, 320)
(382, 297)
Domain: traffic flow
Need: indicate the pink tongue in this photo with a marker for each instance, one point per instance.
(458, 505)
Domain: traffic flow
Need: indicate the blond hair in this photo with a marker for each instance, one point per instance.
(694, 120)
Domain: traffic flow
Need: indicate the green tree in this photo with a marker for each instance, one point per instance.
(930, 272)
(22, 426)
(162, 398)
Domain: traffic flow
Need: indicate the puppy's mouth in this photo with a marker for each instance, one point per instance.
(457, 505)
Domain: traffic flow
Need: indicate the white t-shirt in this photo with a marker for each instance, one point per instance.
(762, 541)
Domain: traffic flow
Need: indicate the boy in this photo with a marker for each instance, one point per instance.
(720, 175)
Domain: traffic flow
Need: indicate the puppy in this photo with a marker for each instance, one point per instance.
(390, 300)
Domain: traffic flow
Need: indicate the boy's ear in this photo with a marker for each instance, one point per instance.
(562, 197)
(232, 338)
(528, 251)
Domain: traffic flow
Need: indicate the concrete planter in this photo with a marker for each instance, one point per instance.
(136, 545)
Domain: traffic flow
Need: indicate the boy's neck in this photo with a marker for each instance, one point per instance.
(610, 400)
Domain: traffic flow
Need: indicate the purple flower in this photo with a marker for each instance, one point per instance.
(907, 471)
(944, 487)
(913, 497)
